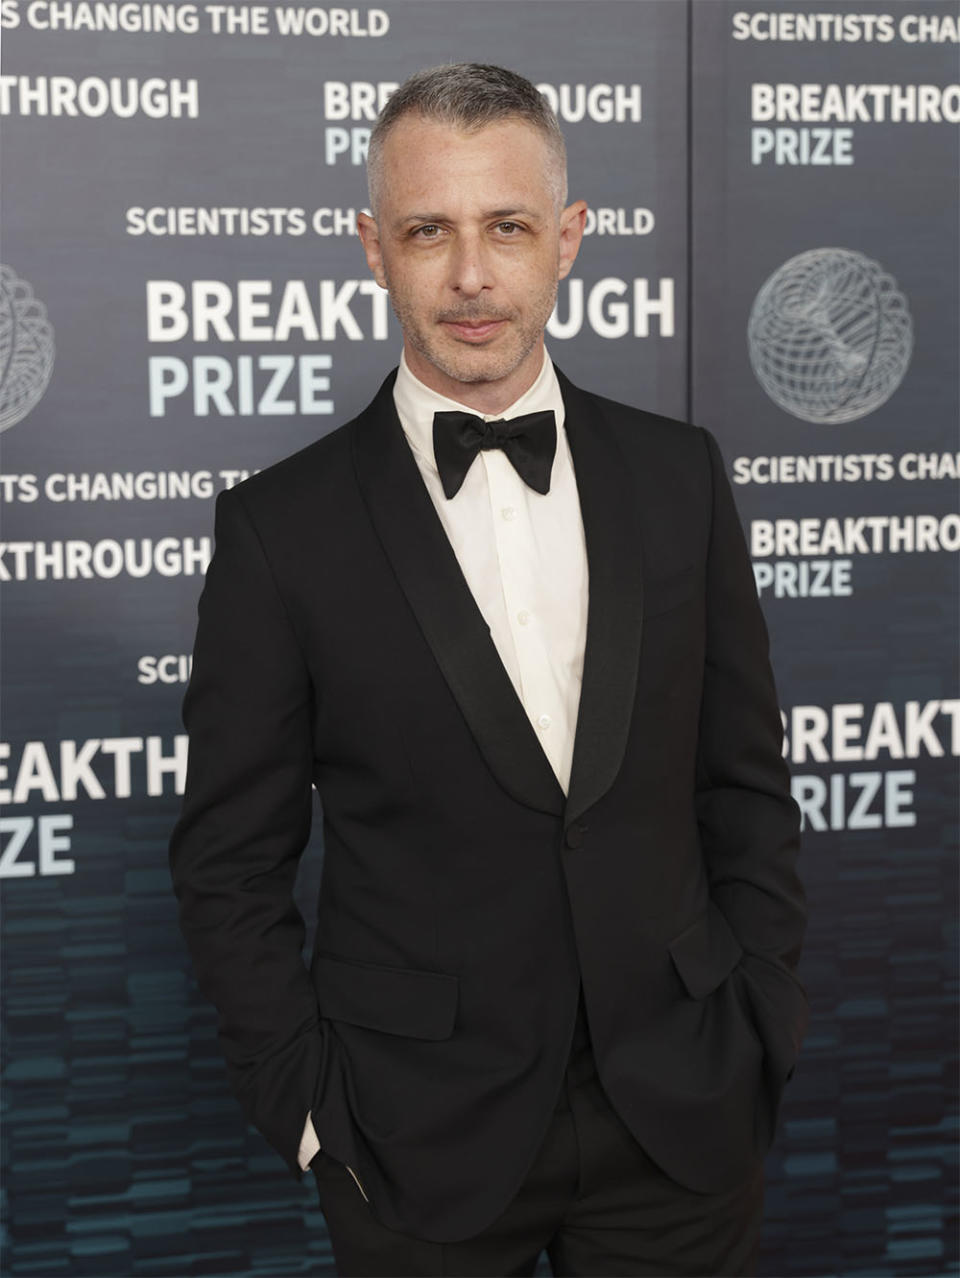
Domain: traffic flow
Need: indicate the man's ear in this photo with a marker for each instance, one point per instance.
(369, 234)
(572, 221)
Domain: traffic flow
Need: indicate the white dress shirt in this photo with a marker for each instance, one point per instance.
(524, 557)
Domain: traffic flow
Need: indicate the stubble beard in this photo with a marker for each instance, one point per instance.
(474, 364)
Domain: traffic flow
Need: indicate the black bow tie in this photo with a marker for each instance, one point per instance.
(529, 441)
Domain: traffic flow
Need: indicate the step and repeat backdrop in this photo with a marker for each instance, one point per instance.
(771, 252)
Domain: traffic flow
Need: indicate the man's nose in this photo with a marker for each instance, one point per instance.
(470, 266)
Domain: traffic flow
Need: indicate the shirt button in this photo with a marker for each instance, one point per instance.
(523, 617)
(509, 512)
(544, 721)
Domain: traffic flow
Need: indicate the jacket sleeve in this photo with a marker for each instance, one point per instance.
(244, 823)
(749, 822)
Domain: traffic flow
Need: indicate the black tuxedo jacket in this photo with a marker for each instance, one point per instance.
(463, 898)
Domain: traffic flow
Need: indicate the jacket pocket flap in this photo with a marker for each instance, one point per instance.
(396, 1000)
(705, 952)
(663, 593)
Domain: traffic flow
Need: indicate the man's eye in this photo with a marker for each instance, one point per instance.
(507, 228)
(429, 232)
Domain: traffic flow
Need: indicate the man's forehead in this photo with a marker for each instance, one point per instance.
(439, 171)
(430, 155)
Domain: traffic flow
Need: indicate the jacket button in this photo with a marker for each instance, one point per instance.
(574, 836)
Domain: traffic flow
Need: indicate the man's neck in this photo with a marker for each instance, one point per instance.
(485, 398)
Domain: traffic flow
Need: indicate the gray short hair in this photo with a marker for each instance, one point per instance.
(468, 95)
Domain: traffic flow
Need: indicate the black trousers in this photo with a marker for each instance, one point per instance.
(592, 1199)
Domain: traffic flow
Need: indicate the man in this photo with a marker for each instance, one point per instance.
(551, 1001)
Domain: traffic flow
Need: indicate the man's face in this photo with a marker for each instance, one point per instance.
(470, 244)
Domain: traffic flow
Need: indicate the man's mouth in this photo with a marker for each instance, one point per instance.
(473, 330)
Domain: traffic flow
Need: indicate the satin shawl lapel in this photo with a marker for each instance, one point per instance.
(608, 501)
(426, 567)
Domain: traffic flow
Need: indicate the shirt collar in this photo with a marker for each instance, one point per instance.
(417, 403)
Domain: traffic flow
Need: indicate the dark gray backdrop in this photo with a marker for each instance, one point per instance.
(123, 1152)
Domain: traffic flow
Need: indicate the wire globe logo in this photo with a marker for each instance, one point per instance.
(26, 348)
(830, 335)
